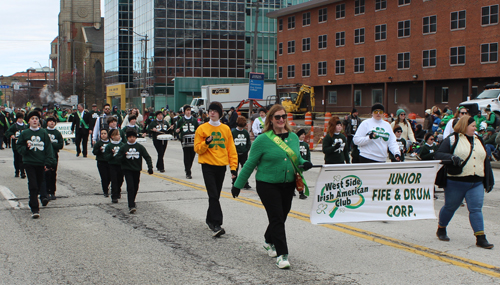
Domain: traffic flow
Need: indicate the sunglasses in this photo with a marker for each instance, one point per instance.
(402, 114)
(399, 131)
(431, 139)
(278, 117)
(378, 112)
(107, 108)
(463, 113)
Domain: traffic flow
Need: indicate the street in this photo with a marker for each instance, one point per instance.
(82, 238)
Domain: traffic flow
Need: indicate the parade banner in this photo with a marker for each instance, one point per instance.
(65, 129)
(361, 192)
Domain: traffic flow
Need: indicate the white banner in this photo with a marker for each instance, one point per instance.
(65, 129)
(398, 191)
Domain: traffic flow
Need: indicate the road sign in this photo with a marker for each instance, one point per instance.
(144, 93)
(256, 86)
(4, 86)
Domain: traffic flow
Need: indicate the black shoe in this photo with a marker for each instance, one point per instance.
(441, 234)
(17, 175)
(302, 196)
(247, 186)
(162, 171)
(23, 176)
(211, 227)
(45, 201)
(35, 215)
(77, 155)
(114, 201)
(106, 195)
(189, 176)
(483, 242)
(218, 231)
(85, 156)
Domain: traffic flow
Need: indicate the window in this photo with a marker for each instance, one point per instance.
(321, 68)
(306, 69)
(291, 22)
(429, 58)
(322, 42)
(380, 5)
(359, 64)
(359, 36)
(280, 25)
(306, 19)
(280, 48)
(280, 72)
(322, 15)
(340, 39)
(357, 97)
(404, 2)
(291, 47)
(457, 55)
(340, 11)
(381, 32)
(332, 97)
(429, 25)
(340, 66)
(380, 62)
(404, 60)
(458, 20)
(359, 7)
(444, 95)
(489, 53)
(404, 29)
(490, 15)
(377, 96)
(291, 71)
(306, 44)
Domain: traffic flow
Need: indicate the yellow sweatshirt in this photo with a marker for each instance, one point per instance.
(221, 150)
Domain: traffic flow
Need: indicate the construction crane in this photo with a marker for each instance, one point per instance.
(296, 104)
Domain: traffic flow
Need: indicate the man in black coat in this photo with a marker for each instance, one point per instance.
(233, 118)
(81, 128)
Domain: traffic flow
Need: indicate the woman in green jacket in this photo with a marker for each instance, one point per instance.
(276, 155)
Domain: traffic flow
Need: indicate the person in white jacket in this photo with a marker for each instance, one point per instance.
(374, 136)
(258, 124)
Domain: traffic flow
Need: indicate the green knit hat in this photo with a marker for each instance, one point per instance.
(399, 112)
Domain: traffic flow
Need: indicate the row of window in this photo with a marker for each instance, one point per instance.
(489, 54)
(489, 16)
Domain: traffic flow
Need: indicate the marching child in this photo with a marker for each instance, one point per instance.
(115, 169)
(132, 120)
(35, 147)
(398, 131)
(304, 152)
(131, 155)
(242, 142)
(13, 133)
(102, 163)
(57, 144)
(334, 143)
(186, 127)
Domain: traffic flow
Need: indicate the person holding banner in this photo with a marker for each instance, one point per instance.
(467, 153)
(276, 155)
(81, 128)
(374, 137)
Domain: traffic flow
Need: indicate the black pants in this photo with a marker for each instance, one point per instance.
(105, 173)
(277, 200)
(213, 177)
(51, 177)
(242, 158)
(160, 147)
(35, 175)
(367, 160)
(116, 175)
(1, 137)
(82, 136)
(132, 178)
(189, 155)
(18, 162)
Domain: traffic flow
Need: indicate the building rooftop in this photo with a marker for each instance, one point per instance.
(95, 37)
(299, 7)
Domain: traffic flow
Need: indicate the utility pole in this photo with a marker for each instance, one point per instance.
(254, 51)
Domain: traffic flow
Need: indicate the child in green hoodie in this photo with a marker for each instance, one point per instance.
(102, 163)
(115, 169)
(131, 155)
(13, 133)
(36, 148)
(57, 144)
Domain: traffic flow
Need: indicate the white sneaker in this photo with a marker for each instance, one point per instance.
(271, 250)
(282, 261)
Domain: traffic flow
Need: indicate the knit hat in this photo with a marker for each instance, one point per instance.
(300, 132)
(428, 111)
(471, 120)
(488, 108)
(399, 111)
(449, 112)
(378, 107)
(216, 106)
(490, 129)
(33, 113)
(354, 110)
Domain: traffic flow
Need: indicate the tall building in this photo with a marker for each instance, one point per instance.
(405, 53)
(190, 43)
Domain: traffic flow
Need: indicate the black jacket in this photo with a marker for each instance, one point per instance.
(75, 126)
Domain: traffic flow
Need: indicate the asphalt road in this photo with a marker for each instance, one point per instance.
(81, 238)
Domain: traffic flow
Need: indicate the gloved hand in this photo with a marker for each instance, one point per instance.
(234, 173)
(337, 145)
(456, 160)
(235, 191)
(372, 135)
(307, 165)
(150, 171)
(398, 157)
(208, 140)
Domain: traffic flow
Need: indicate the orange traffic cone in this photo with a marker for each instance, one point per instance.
(308, 118)
(289, 117)
(311, 138)
(328, 116)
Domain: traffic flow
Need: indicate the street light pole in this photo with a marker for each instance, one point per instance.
(31, 69)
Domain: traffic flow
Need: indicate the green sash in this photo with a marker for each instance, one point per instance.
(291, 154)
(82, 121)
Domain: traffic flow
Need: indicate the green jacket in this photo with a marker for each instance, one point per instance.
(186, 127)
(479, 120)
(157, 125)
(123, 132)
(241, 140)
(427, 152)
(111, 152)
(305, 152)
(15, 130)
(274, 165)
(40, 153)
(334, 149)
(56, 139)
(492, 119)
(402, 150)
(131, 156)
(98, 150)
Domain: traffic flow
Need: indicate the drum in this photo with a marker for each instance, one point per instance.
(165, 137)
(141, 140)
(188, 140)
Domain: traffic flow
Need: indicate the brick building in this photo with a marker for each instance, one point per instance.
(405, 53)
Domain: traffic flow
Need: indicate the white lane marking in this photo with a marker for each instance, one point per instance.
(11, 198)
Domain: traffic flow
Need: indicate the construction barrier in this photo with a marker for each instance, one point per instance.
(308, 118)
(289, 117)
(328, 116)
(311, 138)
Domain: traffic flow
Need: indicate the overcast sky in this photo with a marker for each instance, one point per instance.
(27, 29)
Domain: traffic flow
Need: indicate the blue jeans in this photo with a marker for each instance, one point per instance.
(454, 194)
(490, 149)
